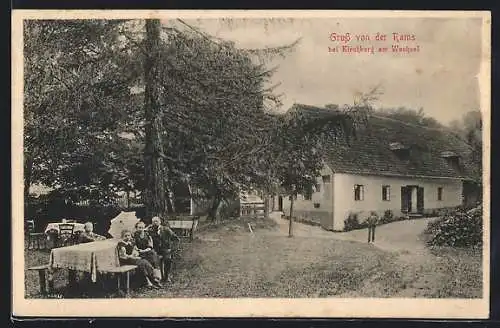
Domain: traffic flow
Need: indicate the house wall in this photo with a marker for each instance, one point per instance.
(344, 202)
(305, 209)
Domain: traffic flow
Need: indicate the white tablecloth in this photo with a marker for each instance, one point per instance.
(88, 257)
(55, 226)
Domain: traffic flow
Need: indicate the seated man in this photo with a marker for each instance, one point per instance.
(162, 237)
(88, 235)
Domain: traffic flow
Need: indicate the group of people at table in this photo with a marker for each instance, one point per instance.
(142, 247)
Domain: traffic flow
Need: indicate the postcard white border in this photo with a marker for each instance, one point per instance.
(241, 307)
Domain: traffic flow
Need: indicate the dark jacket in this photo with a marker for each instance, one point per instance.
(372, 220)
(162, 237)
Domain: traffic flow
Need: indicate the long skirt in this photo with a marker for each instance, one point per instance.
(153, 258)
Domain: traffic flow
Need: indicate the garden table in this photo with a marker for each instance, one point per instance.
(94, 257)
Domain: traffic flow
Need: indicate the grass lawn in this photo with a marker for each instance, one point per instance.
(228, 261)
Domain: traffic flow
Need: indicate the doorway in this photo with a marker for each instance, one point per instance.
(280, 204)
(412, 199)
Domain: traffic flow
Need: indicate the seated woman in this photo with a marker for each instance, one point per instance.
(88, 235)
(144, 244)
(129, 254)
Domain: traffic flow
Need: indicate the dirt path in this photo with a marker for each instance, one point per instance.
(402, 236)
(401, 239)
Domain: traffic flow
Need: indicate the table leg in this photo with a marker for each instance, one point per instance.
(128, 282)
(43, 281)
(72, 279)
(50, 284)
(28, 237)
(118, 278)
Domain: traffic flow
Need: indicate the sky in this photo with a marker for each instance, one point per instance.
(440, 78)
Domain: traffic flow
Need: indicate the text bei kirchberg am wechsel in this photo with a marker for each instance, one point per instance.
(375, 43)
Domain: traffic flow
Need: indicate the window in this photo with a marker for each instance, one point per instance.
(386, 193)
(359, 192)
(326, 179)
(308, 193)
(440, 193)
(316, 205)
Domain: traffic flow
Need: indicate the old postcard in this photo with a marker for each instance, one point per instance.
(251, 164)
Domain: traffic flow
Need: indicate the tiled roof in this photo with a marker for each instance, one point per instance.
(370, 152)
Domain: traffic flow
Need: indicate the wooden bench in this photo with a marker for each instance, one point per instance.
(46, 282)
(37, 240)
(121, 271)
(187, 228)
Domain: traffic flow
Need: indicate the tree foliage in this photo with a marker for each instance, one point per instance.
(75, 103)
(410, 115)
(214, 102)
(470, 129)
(100, 94)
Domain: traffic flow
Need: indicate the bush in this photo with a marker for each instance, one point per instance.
(388, 217)
(459, 228)
(353, 222)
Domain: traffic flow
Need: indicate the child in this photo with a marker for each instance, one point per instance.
(372, 223)
(144, 244)
(88, 235)
(129, 254)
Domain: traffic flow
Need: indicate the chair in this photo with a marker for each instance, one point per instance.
(65, 234)
(37, 240)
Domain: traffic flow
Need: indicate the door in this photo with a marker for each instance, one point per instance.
(280, 203)
(405, 199)
(420, 200)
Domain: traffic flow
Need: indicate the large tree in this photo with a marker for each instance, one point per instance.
(215, 117)
(203, 117)
(155, 171)
(75, 104)
(470, 129)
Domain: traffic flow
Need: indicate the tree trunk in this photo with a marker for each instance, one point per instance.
(212, 214)
(155, 198)
(266, 206)
(290, 224)
(191, 202)
(27, 182)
